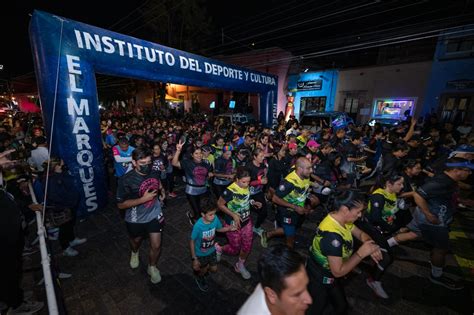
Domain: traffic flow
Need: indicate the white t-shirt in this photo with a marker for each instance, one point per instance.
(255, 304)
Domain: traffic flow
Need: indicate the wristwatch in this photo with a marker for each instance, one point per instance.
(193, 258)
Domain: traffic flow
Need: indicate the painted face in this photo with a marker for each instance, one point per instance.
(226, 155)
(243, 182)
(295, 298)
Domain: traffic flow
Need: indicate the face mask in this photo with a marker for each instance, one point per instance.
(145, 169)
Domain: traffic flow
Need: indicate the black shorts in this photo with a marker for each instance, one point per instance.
(436, 236)
(143, 229)
(210, 260)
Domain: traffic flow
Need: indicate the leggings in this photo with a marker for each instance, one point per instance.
(262, 212)
(323, 293)
(379, 239)
(195, 203)
(240, 240)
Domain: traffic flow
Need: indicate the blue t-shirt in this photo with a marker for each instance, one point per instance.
(122, 167)
(203, 235)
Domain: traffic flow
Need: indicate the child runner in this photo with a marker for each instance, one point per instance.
(203, 252)
(235, 203)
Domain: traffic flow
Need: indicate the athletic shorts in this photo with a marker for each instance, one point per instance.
(288, 220)
(143, 229)
(210, 260)
(436, 236)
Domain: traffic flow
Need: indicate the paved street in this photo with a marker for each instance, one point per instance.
(103, 282)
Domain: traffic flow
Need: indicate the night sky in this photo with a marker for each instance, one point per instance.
(299, 26)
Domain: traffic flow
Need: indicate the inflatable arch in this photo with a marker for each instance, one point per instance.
(67, 54)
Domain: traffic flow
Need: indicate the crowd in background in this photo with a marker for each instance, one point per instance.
(382, 185)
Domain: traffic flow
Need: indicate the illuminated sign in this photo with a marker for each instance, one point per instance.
(393, 108)
(309, 85)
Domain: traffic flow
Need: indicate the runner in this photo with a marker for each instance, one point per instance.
(258, 180)
(235, 203)
(196, 172)
(140, 193)
(203, 252)
(380, 222)
(436, 202)
(290, 198)
(331, 254)
(224, 171)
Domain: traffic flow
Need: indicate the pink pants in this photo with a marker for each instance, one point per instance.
(240, 240)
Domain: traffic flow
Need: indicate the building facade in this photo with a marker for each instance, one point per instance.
(313, 91)
(366, 92)
(450, 90)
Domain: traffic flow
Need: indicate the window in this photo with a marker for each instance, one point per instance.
(456, 108)
(317, 104)
(460, 45)
(351, 105)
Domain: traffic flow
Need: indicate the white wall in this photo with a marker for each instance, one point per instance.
(403, 80)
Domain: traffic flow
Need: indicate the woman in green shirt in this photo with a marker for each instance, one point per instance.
(331, 253)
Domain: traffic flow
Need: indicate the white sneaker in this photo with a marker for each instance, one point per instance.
(70, 252)
(258, 231)
(154, 273)
(134, 260)
(53, 236)
(63, 275)
(218, 252)
(77, 241)
(376, 286)
(27, 307)
(243, 271)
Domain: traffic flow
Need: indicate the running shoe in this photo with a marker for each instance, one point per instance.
(134, 260)
(70, 252)
(27, 307)
(29, 251)
(202, 283)
(77, 241)
(376, 286)
(218, 252)
(264, 240)
(240, 268)
(447, 282)
(258, 231)
(154, 273)
(190, 218)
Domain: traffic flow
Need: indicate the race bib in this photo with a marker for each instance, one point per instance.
(245, 215)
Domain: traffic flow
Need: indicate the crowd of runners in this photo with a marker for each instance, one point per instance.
(371, 188)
